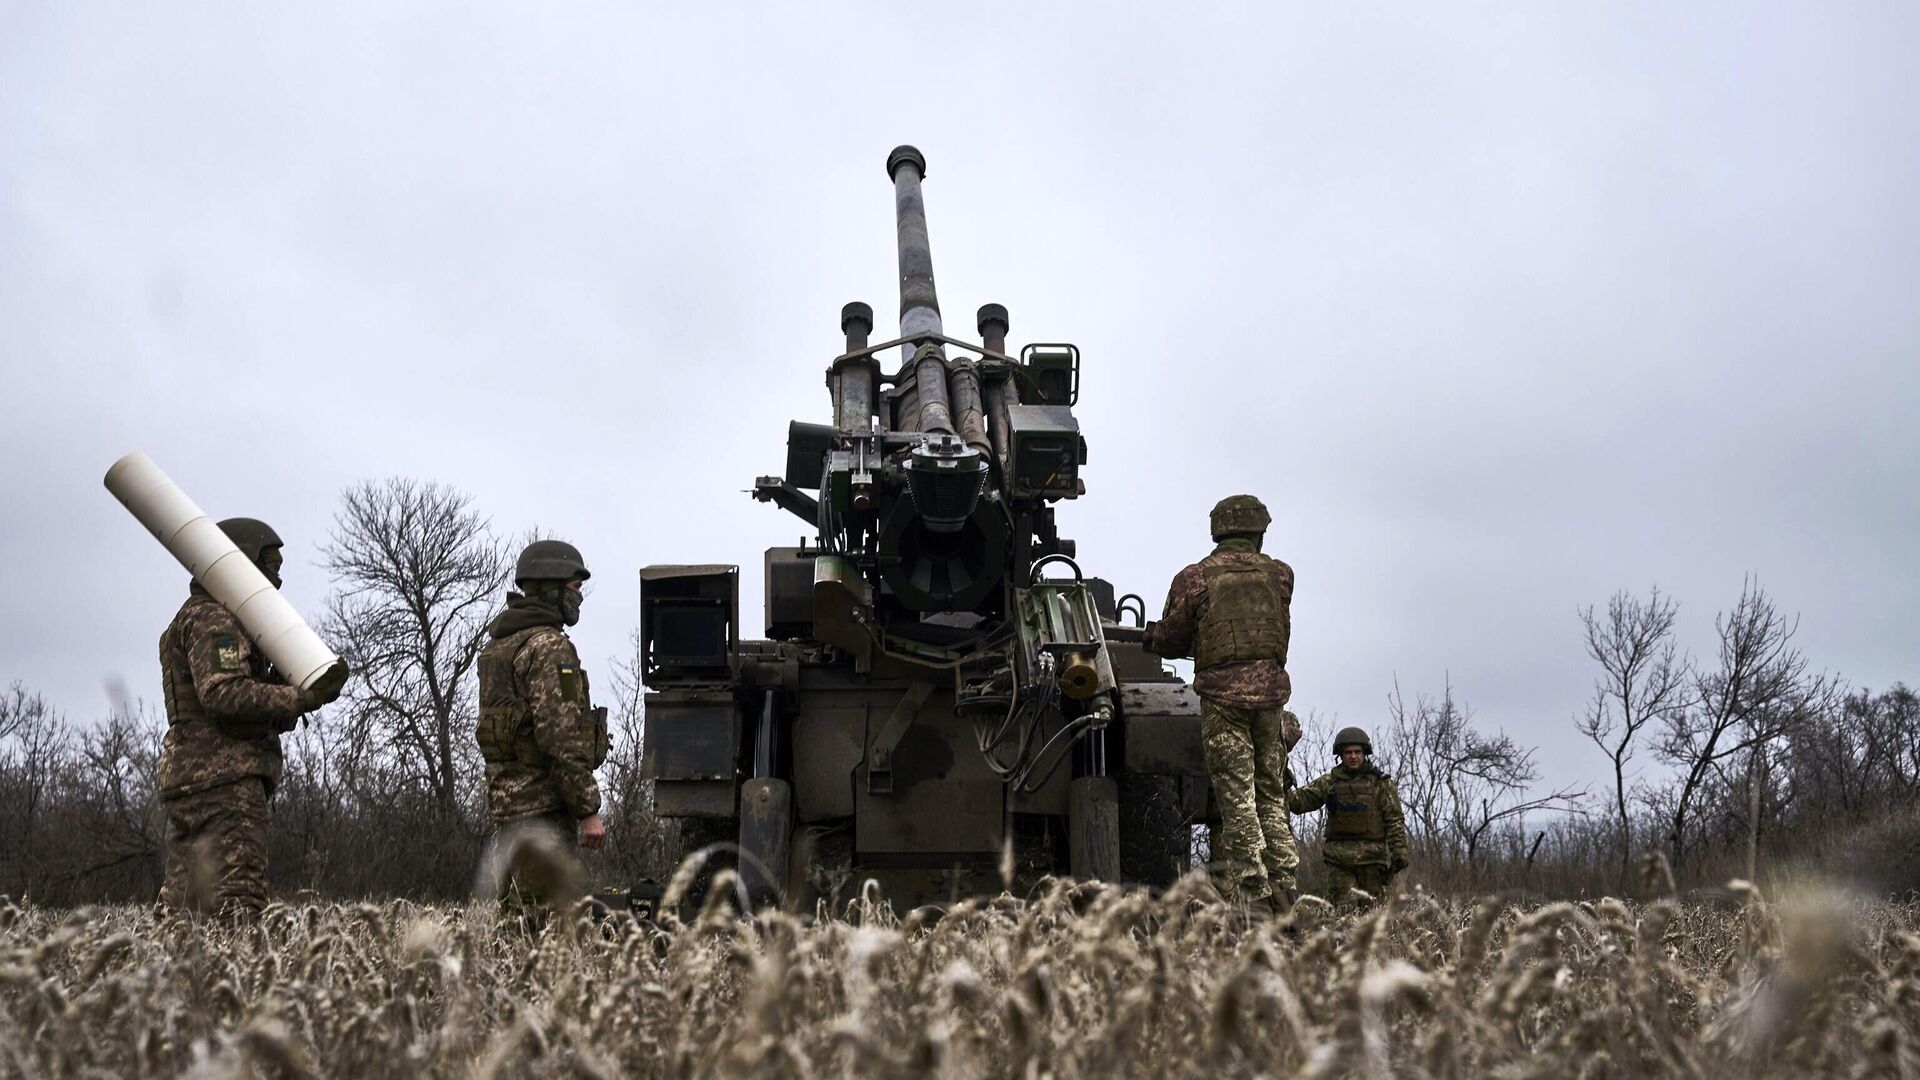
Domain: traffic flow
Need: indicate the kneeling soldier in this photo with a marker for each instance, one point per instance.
(1366, 836)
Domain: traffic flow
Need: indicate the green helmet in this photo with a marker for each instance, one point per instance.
(1352, 736)
(550, 560)
(1240, 514)
(251, 535)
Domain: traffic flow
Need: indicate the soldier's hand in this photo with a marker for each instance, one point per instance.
(316, 697)
(1399, 863)
(593, 832)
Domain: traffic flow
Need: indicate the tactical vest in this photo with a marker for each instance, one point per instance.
(1353, 810)
(181, 698)
(505, 728)
(1246, 615)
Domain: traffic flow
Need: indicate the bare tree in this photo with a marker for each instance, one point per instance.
(644, 847)
(1309, 758)
(18, 709)
(1887, 728)
(1456, 784)
(1313, 754)
(1759, 691)
(35, 753)
(416, 571)
(1643, 679)
(117, 762)
(625, 787)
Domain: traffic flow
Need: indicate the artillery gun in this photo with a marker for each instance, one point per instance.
(939, 684)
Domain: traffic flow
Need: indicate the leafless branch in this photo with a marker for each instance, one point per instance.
(416, 572)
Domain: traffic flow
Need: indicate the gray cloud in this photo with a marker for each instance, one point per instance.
(1501, 309)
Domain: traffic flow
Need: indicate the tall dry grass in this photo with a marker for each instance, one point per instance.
(1079, 980)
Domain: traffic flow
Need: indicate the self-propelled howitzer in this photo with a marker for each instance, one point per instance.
(939, 684)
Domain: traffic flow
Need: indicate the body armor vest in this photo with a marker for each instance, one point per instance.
(1353, 810)
(505, 728)
(182, 700)
(176, 683)
(1246, 615)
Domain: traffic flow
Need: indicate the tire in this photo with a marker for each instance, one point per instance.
(1155, 836)
(1039, 850)
(692, 836)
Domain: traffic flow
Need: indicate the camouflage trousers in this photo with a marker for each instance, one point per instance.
(1341, 880)
(216, 849)
(537, 865)
(1247, 766)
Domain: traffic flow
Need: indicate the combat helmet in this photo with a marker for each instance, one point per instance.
(550, 560)
(1239, 514)
(1352, 736)
(251, 535)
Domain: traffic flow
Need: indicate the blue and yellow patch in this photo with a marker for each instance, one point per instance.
(226, 652)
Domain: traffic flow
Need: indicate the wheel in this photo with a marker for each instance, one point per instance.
(1155, 837)
(716, 837)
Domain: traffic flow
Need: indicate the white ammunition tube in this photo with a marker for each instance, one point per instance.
(220, 568)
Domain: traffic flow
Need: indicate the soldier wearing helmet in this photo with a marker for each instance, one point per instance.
(1230, 612)
(538, 729)
(1366, 838)
(220, 760)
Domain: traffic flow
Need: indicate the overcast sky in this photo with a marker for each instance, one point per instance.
(1500, 308)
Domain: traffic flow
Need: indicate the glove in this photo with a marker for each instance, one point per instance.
(1399, 864)
(334, 681)
(313, 699)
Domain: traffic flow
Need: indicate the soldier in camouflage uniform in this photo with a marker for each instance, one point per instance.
(1230, 612)
(538, 730)
(220, 761)
(1366, 839)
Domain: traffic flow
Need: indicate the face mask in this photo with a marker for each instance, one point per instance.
(570, 606)
(270, 564)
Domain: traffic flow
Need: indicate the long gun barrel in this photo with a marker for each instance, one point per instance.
(948, 398)
(919, 305)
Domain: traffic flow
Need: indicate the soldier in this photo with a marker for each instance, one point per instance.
(220, 762)
(538, 730)
(1229, 612)
(1366, 840)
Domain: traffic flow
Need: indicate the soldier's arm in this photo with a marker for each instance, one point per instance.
(1172, 634)
(562, 727)
(1394, 819)
(1286, 586)
(1307, 798)
(220, 657)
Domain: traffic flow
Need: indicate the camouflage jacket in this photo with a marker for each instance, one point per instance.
(1257, 684)
(1365, 826)
(534, 670)
(225, 705)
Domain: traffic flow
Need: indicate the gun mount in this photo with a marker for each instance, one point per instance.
(924, 683)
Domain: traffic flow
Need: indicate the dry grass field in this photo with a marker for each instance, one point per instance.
(1075, 982)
